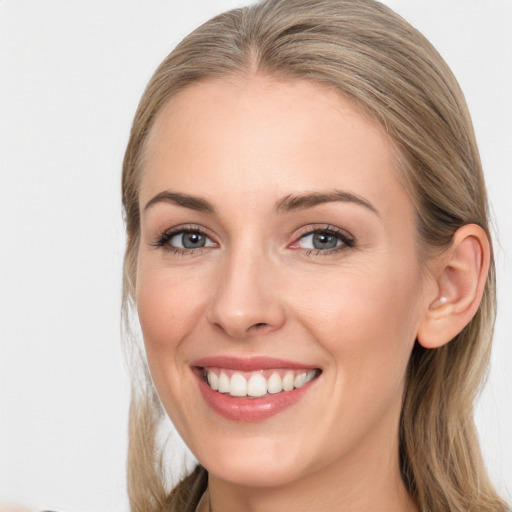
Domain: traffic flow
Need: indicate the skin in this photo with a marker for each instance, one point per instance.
(257, 288)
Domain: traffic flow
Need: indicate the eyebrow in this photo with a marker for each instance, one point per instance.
(303, 201)
(187, 201)
(286, 204)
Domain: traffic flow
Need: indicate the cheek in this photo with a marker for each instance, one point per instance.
(168, 307)
(366, 318)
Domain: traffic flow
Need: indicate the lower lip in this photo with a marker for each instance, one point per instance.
(250, 409)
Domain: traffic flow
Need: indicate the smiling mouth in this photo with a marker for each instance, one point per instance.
(257, 384)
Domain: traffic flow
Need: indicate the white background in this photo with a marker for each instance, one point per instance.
(71, 74)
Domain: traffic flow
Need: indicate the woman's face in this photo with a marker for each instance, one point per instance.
(277, 250)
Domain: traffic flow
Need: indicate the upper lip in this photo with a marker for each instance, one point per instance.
(249, 364)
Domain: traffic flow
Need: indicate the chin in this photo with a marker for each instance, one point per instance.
(255, 461)
(253, 472)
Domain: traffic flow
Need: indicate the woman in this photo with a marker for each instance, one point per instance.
(308, 252)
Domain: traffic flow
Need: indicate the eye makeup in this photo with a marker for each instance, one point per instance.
(323, 240)
(311, 240)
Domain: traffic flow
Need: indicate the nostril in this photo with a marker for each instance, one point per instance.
(259, 327)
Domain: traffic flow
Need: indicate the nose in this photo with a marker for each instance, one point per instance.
(247, 300)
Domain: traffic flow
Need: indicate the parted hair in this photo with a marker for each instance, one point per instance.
(387, 69)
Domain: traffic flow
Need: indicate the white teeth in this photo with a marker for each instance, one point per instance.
(300, 380)
(255, 384)
(275, 383)
(288, 381)
(213, 380)
(223, 383)
(237, 385)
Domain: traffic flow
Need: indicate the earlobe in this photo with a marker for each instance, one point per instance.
(460, 274)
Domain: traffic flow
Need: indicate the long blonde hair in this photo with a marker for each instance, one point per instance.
(389, 70)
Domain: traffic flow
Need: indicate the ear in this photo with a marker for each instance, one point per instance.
(459, 276)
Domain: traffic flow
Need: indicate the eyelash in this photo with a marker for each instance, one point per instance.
(164, 239)
(347, 240)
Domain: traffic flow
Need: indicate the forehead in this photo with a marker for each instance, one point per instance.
(266, 137)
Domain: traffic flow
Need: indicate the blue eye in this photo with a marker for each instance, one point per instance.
(190, 240)
(185, 240)
(320, 241)
(325, 240)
